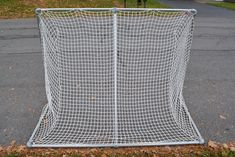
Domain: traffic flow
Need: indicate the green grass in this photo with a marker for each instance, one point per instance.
(149, 4)
(15, 8)
(25, 8)
(13, 154)
(226, 5)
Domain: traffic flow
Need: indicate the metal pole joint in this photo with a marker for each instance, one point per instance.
(194, 11)
(38, 11)
(115, 10)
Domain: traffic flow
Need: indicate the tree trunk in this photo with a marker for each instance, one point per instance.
(139, 3)
(145, 1)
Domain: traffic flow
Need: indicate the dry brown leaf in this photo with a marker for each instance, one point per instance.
(1, 148)
(47, 152)
(225, 145)
(212, 144)
(21, 148)
(103, 155)
(231, 144)
(168, 148)
(232, 148)
(13, 142)
(151, 151)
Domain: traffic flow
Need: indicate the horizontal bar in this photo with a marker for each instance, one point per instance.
(118, 145)
(116, 9)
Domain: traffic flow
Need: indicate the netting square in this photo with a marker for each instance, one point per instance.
(114, 77)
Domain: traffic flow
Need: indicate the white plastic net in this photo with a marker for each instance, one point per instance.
(115, 78)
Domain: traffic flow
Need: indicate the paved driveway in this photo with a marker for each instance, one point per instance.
(210, 81)
(209, 86)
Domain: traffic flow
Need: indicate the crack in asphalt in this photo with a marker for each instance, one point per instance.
(12, 37)
(9, 53)
(18, 28)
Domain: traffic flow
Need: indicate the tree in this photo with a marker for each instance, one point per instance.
(139, 3)
(145, 1)
(124, 3)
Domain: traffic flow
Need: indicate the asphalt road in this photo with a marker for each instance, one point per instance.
(209, 89)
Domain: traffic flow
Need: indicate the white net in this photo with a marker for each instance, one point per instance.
(115, 78)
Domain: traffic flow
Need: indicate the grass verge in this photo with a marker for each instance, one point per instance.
(227, 5)
(149, 4)
(25, 8)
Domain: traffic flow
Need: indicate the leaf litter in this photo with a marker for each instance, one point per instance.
(212, 149)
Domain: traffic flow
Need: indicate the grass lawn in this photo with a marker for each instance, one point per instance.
(25, 8)
(149, 4)
(226, 5)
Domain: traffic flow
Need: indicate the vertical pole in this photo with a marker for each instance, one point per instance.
(115, 73)
(124, 3)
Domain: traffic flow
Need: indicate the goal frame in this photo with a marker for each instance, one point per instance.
(116, 144)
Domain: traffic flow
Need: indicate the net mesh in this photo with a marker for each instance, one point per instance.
(115, 78)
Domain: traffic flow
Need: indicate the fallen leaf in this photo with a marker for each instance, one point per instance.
(222, 117)
(21, 148)
(225, 145)
(103, 155)
(13, 142)
(1, 149)
(12, 89)
(212, 144)
(232, 148)
(231, 144)
(168, 148)
(47, 152)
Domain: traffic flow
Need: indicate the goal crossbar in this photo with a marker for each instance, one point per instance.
(38, 10)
